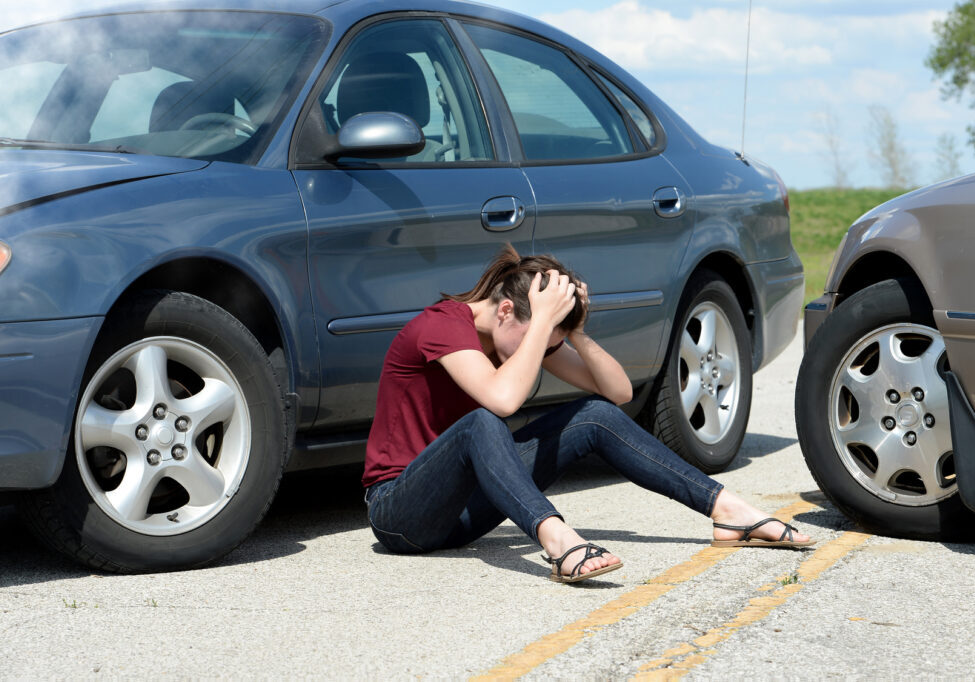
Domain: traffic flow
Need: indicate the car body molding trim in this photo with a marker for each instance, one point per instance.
(957, 315)
(395, 321)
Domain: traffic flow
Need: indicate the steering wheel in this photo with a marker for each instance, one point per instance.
(216, 118)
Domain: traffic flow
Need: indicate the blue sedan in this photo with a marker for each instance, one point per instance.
(214, 218)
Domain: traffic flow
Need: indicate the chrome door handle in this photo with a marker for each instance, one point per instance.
(502, 213)
(669, 202)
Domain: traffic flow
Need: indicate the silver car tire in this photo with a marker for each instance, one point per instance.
(702, 401)
(179, 441)
(872, 415)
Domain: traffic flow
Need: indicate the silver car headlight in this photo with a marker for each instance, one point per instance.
(5, 255)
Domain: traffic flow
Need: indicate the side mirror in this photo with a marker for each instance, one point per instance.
(377, 135)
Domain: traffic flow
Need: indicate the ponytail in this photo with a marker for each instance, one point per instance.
(509, 276)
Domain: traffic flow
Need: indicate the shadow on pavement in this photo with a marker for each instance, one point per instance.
(313, 504)
(757, 445)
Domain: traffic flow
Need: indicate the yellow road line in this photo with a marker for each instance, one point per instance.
(681, 659)
(552, 645)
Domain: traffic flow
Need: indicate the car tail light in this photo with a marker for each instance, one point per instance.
(784, 190)
(5, 255)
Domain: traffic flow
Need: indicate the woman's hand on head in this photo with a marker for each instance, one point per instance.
(551, 304)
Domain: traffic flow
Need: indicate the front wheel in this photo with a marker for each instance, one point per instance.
(178, 443)
(872, 416)
(701, 405)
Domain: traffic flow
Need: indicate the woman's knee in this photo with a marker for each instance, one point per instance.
(599, 409)
(485, 419)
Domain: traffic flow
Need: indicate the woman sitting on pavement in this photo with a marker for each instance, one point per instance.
(442, 467)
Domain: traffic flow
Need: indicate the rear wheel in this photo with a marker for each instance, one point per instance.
(178, 443)
(872, 415)
(700, 408)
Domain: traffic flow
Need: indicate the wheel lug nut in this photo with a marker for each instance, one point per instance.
(929, 420)
(710, 357)
(910, 438)
(159, 411)
(889, 423)
(141, 432)
(182, 424)
(179, 452)
(893, 396)
(153, 457)
(715, 372)
(918, 394)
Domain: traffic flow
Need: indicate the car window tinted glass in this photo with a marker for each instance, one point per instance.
(193, 84)
(411, 67)
(560, 112)
(639, 117)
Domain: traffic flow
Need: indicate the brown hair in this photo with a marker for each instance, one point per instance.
(510, 276)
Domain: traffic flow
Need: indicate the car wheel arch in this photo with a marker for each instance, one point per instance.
(229, 287)
(875, 267)
(732, 270)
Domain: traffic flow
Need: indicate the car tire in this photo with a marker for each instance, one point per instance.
(178, 445)
(884, 459)
(700, 406)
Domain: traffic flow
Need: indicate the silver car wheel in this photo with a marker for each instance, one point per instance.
(709, 373)
(888, 415)
(162, 436)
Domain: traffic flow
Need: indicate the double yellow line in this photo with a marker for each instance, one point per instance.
(678, 660)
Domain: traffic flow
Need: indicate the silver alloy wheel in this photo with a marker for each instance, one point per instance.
(888, 415)
(162, 436)
(708, 369)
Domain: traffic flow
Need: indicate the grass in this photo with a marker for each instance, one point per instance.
(820, 218)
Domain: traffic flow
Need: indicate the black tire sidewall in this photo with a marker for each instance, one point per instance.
(885, 303)
(708, 287)
(186, 317)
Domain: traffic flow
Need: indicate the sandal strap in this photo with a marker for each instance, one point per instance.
(592, 551)
(748, 530)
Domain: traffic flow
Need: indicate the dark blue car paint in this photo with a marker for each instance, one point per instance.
(297, 236)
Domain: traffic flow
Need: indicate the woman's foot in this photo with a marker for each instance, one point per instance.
(731, 510)
(557, 538)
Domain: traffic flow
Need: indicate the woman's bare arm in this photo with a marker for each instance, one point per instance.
(504, 389)
(586, 365)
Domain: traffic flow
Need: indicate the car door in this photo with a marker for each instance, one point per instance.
(607, 203)
(387, 236)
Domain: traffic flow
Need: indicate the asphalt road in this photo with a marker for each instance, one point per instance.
(312, 594)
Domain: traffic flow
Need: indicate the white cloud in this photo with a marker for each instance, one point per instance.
(646, 38)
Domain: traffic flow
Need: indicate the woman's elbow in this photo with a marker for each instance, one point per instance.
(623, 394)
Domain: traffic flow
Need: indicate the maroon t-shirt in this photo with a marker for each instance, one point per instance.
(417, 398)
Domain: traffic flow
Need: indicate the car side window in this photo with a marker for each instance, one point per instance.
(636, 113)
(560, 113)
(411, 67)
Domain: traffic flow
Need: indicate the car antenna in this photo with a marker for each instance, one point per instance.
(744, 106)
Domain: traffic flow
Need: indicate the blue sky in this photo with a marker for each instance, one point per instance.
(808, 59)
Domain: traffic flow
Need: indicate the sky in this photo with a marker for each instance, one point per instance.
(809, 61)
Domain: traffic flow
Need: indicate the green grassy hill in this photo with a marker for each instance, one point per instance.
(820, 218)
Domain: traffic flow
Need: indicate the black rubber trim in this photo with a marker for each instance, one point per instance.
(962, 431)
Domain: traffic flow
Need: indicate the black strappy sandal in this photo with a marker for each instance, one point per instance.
(785, 540)
(592, 551)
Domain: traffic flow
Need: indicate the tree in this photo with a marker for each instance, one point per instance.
(832, 150)
(952, 58)
(948, 157)
(887, 152)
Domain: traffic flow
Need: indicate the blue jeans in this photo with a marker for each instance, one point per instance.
(477, 473)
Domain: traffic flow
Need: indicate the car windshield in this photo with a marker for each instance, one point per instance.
(209, 85)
